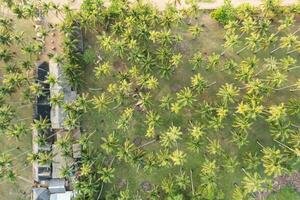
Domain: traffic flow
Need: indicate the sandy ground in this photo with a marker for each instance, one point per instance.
(75, 4)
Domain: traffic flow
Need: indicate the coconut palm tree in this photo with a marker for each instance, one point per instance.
(185, 97)
(42, 124)
(273, 161)
(106, 174)
(198, 83)
(103, 70)
(171, 136)
(17, 130)
(253, 182)
(228, 93)
(195, 31)
(197, 61)
(110, 143)
(45, 157)
(289, 41)
(101, 102)
(178, 157)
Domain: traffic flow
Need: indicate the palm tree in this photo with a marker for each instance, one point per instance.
(253, 182)
(251, 161)
(171, 136)
(285, 23)
(85, 169)
(178, 157)
(185, 97)
(288, 42)
(197, 61)
(32, 157)
(238, 194)
(230, 163)
(273, 161)
(248, 25)
(198, 83)
(106, 174)
(195, 31)
(65, 144)
(270, 7)
(228, 93)
(277, 113)
(36, 89)
(125, 152)
(18, 130)
(101, 102)
(252, 42)
(214, 147)
(57, 99)
(165, 102)
(45, 157)
(240, 138)
(110, 143)
(230, 41)
(212, 61)
(281, 130)
(103, 70)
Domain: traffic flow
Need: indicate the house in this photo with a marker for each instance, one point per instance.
(41, 172)
(57, 112)
(68, 195)
(57, 186)
(56, 191)
(40, 194)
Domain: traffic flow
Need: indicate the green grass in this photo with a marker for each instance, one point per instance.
(20, 189)
(287, 193)
(209, 41)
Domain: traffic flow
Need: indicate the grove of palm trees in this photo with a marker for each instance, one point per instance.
(173, 104)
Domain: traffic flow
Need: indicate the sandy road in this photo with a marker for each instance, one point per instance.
(75, 4)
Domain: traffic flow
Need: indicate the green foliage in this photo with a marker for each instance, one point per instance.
(225, 13)
(89, 56)
(285, 193)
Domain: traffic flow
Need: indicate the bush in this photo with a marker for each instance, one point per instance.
(89, 56)
(224, 14)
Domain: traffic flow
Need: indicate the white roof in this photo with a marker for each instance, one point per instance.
(62, 196)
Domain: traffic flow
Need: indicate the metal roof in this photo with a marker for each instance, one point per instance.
(57, 186)
(40, 194)
(62, 196)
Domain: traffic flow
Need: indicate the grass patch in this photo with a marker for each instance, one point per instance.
(284, 194)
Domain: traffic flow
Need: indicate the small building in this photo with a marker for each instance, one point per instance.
(57, 185)
(40, 194)
(41, 172)
(62, 196)
(59, 162)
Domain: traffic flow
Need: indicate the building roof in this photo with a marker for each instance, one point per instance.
(62, 196)
(57, 185)
(57, 112)
(59, 162)
(41, 172)
(40, 194)
(76, 151)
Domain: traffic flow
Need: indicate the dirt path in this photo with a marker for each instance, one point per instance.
(75, 4)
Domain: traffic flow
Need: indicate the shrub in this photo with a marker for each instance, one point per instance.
(89, 56)
(224, 14)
